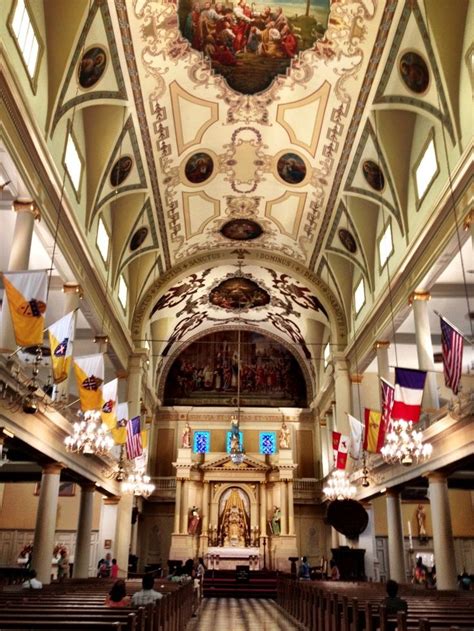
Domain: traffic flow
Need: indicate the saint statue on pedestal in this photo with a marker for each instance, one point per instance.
(193, 521)
(284, 437)
(186, 437)
(276, 519)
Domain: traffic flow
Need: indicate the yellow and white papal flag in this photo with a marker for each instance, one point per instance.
(61, 338)
(109, 403)
(119, 432)
(26, 296)
(89, 371)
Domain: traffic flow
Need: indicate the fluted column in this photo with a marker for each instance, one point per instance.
(19, 259)
(283, 508)
(342, 388)
(263, 508)
(123, 532)
(396, 555)
(205, 507)
(177, 509)
(84, 530)
(45, 529)
(424, 347)
(185, 507)
(291, 509)
(443, 544)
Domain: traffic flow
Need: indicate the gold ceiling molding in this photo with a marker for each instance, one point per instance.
(192, 117)
(286, 212)
(199, 209)
(296, 118)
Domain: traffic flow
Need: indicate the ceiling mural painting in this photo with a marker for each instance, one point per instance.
(238, 293)
(91, 67)
(241, 229)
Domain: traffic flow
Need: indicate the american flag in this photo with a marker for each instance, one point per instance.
(387, 396)
(134, 439)
(452, 348)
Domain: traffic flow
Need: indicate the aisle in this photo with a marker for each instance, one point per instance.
(239, 614)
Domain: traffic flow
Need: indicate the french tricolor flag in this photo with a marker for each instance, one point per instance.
(409, 384)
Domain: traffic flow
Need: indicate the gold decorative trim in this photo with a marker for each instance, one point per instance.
(381, 344)
(418, 295)
(27, 207)
(73, 288)
(356, 378)
(53, 468)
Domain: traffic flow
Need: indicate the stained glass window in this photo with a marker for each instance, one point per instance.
(227, 442)
(267, 442)
(202, 442)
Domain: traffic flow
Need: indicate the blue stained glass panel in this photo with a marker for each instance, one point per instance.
(227, 442)
(201, 442)
(267, 443)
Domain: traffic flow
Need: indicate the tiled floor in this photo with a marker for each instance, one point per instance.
(232, 614)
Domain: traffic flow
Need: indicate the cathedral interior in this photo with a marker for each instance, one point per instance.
(255, 222)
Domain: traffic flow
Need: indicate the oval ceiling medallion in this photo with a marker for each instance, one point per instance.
(92, 67)
(121, 170)
(199, 167)
(414, 72)
(373, 175)
(241, 229)
(138, 238)
(347, 240)
(291, 168)
(248, 45)
(238, 293)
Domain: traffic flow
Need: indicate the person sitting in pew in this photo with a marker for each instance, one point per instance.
(147, 594)
(117, 596)
(32, 582)
(392, 602)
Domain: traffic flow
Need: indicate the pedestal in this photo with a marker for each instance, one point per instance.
(280, 549)
(184, 547)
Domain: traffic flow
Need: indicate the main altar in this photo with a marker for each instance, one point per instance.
(233, 513)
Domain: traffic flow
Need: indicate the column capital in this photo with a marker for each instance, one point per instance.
(356, 377)
(137, 361)
(206, 482)
(381, 344)
(53, 468)
(392, 493)
(70, 287)
(111, 501)
(27, 207)
(88, 487)
(436, 476)
(419, 295)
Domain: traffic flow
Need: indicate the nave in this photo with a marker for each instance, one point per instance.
(243, 614)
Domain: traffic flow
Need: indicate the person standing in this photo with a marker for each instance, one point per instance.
(304, 570)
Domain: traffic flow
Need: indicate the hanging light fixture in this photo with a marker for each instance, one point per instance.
(138, 484)
(404, 445)
(90, 435)
(338, 487)
(237, 454)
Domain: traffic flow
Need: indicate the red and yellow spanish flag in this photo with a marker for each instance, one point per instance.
(119, 432)
(61, 337)
(109, 403)
(26, 296)
(374, 431)
(89, 372)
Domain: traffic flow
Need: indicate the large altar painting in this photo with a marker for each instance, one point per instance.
(205, 373)
(251, 43)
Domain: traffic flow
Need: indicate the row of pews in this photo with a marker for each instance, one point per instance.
(341, 606)
(79, 605)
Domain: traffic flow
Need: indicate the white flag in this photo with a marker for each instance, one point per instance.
(357, 435)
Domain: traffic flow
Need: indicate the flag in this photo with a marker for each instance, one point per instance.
(387, 394)
(409, 384)
(89, 372)
(452, 344)
(339, 450)
(26, 296)
(119, 432)
(355, 443)
(61, 335)
(134, 438)
(374, 431)
(109, 403)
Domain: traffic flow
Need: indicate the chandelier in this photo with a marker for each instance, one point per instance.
(138, 484)
(404, 445)
(237, 454)
(90, 435)
(338, 487)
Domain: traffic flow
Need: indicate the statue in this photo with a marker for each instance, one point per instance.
(421, 519)
(193, 521)
(186, 437)
(234, 526)
(276, 518)
(284, 438)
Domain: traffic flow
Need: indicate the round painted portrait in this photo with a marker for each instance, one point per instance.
(373, 175)
(238, 293)
(199, 167)
(291, 168)
(347, 240)
(241, 229)
(414, 72)
(138, 238)
(92, 67)
(121, 170)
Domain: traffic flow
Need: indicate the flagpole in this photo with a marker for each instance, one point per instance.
(452, 326)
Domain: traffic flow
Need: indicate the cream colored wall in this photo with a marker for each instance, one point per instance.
(20, 504)
(462, 515)
(156, 526)
(311, 533)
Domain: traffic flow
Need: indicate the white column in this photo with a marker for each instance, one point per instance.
(185, 507)
(424, 347)
(396, 555)
(334, 538)
(108, 526)
(443, 543)
(123, 533)
(381, 348)
(283, 508)
(342, 388)
(177, 509)
(19, 259)
(205, 507)
(263, 509)
(134, 536)
(72, 296)
(291, 509)
(84, 531)
(45, 529)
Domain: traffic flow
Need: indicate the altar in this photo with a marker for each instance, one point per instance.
(220, 558)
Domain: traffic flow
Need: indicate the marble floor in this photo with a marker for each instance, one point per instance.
(239, 614)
